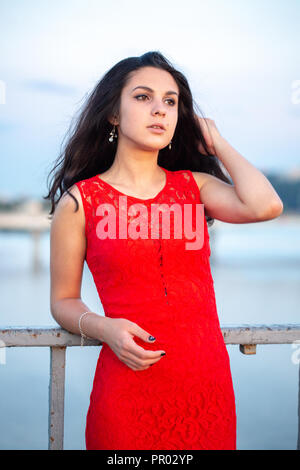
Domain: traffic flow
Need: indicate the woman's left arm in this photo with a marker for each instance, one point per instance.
(251, 197)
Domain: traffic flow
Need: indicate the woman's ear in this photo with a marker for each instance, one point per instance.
(113, 120)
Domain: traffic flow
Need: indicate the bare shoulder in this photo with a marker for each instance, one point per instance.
(67, 203)
(201, 178)
(65, 213)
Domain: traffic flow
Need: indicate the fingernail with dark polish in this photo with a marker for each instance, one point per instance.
(151, 338)
(163, 354)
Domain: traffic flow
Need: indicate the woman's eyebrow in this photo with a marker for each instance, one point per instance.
(150, 89)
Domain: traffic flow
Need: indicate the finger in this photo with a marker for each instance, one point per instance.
(143, 354)
(136, 330)
(140, 362)
(134, 366)
(201, 149)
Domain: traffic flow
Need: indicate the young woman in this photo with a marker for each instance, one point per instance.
(163, 378)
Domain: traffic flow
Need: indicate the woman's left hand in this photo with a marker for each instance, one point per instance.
(210, 134)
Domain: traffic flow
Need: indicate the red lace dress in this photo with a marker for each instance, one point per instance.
(186, 400)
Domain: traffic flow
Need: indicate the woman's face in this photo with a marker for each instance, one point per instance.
(143, 107)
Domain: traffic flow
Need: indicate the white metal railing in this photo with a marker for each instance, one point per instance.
(58, 339)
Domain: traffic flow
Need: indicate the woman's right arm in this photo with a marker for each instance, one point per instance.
(67, 254)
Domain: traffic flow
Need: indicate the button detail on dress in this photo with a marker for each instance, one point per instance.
(161, 270)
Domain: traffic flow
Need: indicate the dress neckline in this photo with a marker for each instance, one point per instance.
(133, 197)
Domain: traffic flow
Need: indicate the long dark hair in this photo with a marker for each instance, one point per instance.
(88, 151)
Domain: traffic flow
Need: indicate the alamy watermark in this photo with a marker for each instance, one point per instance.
(295, 98)
(2, 352)
(138, 227)
(2, 92)
(296, 354)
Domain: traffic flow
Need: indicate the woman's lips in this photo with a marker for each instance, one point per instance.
(156, 130)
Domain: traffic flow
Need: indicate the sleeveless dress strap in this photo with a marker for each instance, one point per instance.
(84, 187)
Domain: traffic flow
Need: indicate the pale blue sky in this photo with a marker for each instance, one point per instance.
(240, 57)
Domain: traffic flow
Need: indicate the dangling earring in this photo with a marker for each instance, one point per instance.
(113, 134)
(170, 145)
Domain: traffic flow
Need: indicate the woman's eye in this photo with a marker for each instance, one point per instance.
(142, 96)
(172, 102)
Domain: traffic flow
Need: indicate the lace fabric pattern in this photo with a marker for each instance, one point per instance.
(186, 400)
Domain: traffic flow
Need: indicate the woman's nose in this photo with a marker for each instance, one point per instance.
(159, 111)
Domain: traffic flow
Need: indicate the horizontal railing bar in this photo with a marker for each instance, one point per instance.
(261, 334)
(233, 334)
(41, 336)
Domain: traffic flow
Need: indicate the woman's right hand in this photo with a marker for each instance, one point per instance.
(118, 333)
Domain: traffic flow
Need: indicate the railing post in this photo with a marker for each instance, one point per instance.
(56, 397)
